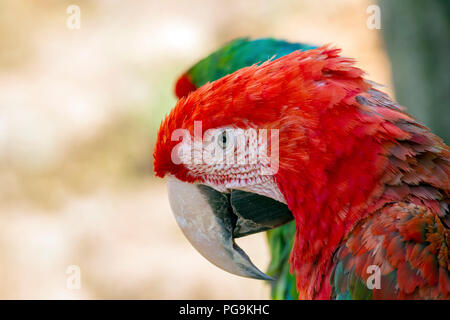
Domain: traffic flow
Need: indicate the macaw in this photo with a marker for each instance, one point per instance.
(366, 185)
(239, 53)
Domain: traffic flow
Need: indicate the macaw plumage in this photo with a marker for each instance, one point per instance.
(367, 186)
(233, 56)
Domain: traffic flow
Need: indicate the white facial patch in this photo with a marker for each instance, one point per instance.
(233, 158)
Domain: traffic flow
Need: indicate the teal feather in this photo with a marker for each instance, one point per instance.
(238, 54)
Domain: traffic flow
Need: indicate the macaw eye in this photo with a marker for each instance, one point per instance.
(222, 139)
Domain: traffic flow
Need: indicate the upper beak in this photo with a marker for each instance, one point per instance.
(211, 220)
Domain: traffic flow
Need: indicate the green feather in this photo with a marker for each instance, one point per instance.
(280, 244)
(238, 54)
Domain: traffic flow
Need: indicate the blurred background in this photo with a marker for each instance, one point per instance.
(79, 110)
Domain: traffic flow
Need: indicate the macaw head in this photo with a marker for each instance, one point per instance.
(255, 148)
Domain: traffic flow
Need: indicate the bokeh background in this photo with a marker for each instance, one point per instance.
(79, 110)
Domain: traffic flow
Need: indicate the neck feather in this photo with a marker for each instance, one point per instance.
(329, 189)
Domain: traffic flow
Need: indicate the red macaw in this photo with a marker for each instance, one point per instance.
(367, 186)
(237, 54)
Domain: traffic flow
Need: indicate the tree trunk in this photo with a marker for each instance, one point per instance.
(417, 39)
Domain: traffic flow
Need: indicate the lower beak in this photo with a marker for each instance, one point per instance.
(211, 220)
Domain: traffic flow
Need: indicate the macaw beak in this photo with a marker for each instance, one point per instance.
(211, 220)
